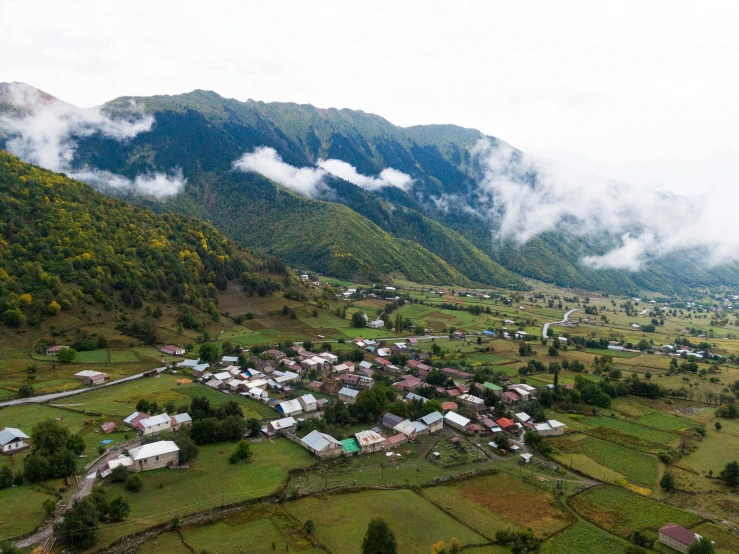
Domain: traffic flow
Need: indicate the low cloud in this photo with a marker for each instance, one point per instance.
(45, 131)
(311, 181)
(526, 197)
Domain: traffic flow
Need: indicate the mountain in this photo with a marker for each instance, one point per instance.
(62, 243)
(358, 232)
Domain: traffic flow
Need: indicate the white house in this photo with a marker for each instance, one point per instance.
(308, 402)
(155, 455)
(376, 324)
(256, 392)
(12, 440)
(155, 424)
(457, 421)
(550, 428)
(332, 358)
(284, 424)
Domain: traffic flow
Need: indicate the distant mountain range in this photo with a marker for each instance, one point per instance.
(428, 231)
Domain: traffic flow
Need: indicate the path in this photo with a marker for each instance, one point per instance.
(85, 488)
(47, 397)
(545, 328)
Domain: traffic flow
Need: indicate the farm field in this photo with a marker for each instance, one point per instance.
(582, 538)
(209, 481)
(621, 511)
(500, 502)
(341, 520)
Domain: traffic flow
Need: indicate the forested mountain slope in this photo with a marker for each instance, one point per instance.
(62, 242)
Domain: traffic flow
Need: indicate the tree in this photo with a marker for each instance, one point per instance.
(359, 320)
(379, 538)
(253, 427)
(134, 482)
(188, 449)
(553, 351)
(79, 527)
(66, 355)
(6, 478)
(53, 308)
(26, 390)
(118, 509)
(119, 474)
(242, 453)
(7, 547)
(730, 474)
(717, 425)
(310, 526)
(208, 352)
(702, 546)
(667, 483)
(13, 317)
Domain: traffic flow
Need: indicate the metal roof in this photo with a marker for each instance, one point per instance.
(308, 399)
(319, 441)
(10, 434)
(366, 438)
(153, 449)
(289, 407)
(405, 427)
(182, 418)
(155, 420)
(284, 423)
(454, 417)
(433, 417)
(346, 391)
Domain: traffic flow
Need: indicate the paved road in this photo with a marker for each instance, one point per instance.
(567, 315)
(47, 397)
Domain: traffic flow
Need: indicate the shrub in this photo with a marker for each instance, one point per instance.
(134, 482)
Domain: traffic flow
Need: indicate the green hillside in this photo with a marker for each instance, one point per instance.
(62, 243)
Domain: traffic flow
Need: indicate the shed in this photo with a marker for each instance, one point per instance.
(370, 441)
(677, 537)
(390, 420)
(89, 377)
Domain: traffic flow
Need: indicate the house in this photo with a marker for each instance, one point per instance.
(395, 440)
(550, 428)
(453, 419)
(224, 377)
(180, 420)
(134, 420)
(376, 324)
(108, 467)
(310, 364)
(89, 377)
(286, 377)
(108, 427)
(370, 441)
(455, 373)
(348, 395)
(526, 458)
(413, 341)
(508, 425)
(474, 403)
(265, 366)
(156, 424)
(407, 428)
(198, 370)
(408, 383)
(510, 397)
(434, 420)
(341, 368)
(13, 440)
(524, 391)
(331, 358)
(635, 326)
(229, 360)
(155, 455)
(283, 425)
(308, 403)
(677, 537)
(492, 387)
(256, 393)
(520, 334)
(390, 420)
(447, 406)
(275, 354)
(315, 385)
(290, 407)
(322, 445)
(54, 350)
(412, 397)
(172, 350)
(522, 417)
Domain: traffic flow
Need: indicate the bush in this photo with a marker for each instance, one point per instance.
(119, 475)
(134, 482)
(242, 453)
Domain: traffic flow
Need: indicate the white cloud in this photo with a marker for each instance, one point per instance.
(46, 131)
(310, 181)
(527, 197)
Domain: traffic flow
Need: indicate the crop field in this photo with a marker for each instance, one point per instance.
(640, 432)
(498, 502)
(21, 510)
(582, 538)
(621, 511)
(209, 481)
(341, 520)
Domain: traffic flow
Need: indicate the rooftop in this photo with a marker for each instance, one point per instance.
(153, 449)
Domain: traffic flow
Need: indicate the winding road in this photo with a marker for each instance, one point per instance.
(545, 328)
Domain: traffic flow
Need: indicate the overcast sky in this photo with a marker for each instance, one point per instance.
(644, 91)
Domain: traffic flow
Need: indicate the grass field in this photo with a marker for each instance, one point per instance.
(620, 511)
(582, 538)
(726, 542)
(253, 536)
(341, 520)
(666, 422)
(499, 502)
(167, 542)
(21, 511)
(210, 481)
